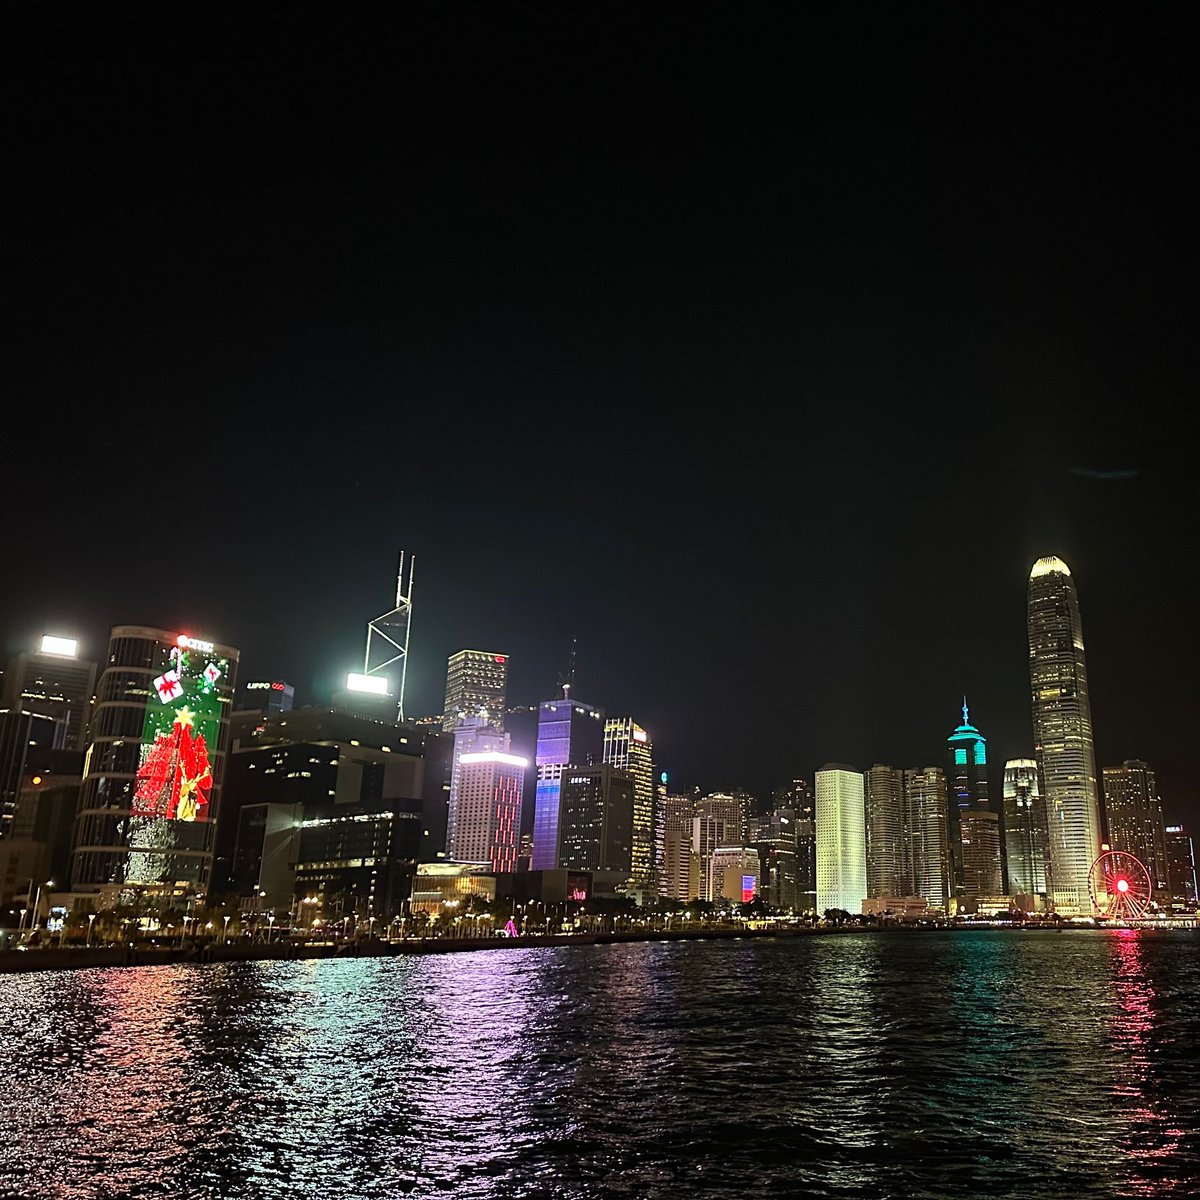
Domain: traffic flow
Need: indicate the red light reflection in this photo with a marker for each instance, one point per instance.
(1153, 1135)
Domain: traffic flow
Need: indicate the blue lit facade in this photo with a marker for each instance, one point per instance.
(973, 826)
(569, 734)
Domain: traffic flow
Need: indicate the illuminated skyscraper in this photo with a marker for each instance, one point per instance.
(1062, 732)
(1181, 869)
(679, 867)
(487, 821)
(925, 801)
(1135, 817)
(799, 798)
(270, 696)
(475, 679)
(841, 839)
(472, 735)
(973, 826)
(53, 682)
(152, 775)
(627, 746)
(889, 859)
(779, 867)
(719, 819)
(1025, 832)
(730, 808)
(734, 874)
(569, 733)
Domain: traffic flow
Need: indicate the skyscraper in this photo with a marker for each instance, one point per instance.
(270, 696)
(1135, 817)
(472, 735)
(779, 877)
(1181, 869)
(487, 820)
(153, 772)
(730, 808)
(799, 798)
(475, 679)
(569, 734)
(719, 819)
(1062, 732)
(973, 827)
(627, 746)
(27, 741)
(841, 839)
(889, 859)
(596, 824)
(734, 874)
(679, 867)
(1025, 832)
(54, 682)
(925, 799)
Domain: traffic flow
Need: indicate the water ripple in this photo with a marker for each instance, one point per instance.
(909, 1065)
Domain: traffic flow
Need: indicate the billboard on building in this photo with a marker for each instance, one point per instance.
(180, 733)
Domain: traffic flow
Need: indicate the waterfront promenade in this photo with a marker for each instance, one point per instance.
(141, 954)
(53, 958)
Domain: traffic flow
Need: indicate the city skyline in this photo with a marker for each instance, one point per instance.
(1180, 805)
(776, 397)
(705, 394)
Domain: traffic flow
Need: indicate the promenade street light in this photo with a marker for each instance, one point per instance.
(37, 905)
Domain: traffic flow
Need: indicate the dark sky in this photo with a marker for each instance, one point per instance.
(757, 349)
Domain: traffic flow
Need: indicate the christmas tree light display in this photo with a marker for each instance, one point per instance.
(183, 719)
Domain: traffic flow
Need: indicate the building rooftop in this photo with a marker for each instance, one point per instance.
(1049, 566)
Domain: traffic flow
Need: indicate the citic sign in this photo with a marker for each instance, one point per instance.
(192, 643)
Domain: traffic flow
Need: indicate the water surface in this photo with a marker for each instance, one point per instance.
(985, 1063)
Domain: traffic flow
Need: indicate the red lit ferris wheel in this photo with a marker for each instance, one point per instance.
(1119, 886)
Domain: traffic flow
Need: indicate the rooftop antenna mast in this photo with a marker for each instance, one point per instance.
(387, 635)
(567, 682)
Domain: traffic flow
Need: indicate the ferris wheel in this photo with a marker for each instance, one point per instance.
(1119, 886)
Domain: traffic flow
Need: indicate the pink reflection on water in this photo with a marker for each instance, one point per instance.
(1152, 1133)
(121, 1107)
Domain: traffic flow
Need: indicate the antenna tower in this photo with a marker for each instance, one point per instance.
(387, 635)
(567, 681)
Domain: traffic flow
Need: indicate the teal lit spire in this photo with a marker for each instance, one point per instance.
(968, 743)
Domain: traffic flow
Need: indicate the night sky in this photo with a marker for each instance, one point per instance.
(761, 355)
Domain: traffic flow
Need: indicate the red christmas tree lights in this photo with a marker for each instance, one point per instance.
(176, 779)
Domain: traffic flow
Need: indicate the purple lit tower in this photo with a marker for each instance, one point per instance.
(569, 734)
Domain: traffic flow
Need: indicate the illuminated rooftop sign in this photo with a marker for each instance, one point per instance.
(192, 643)
(65, 647)
(376, 685)
(513, 760)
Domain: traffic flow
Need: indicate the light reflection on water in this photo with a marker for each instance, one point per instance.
(914, 1065)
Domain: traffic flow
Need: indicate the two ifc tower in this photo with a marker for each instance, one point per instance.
(1062, 731)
